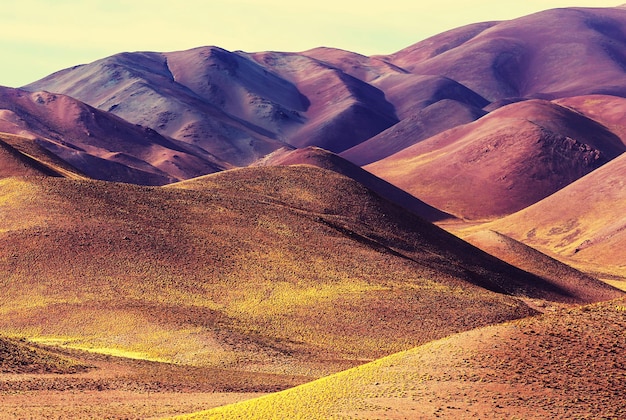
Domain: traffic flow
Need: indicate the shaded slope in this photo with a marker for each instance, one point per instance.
(97, 143)
(410, 93)
(343, 112)
(583, 223)
(550, 54)
(280, 270)
(19, 357)
(425, 123)
(607, 110)
(503, 162)
(327, 160)
(567, 364)
(34, 159)
(15, 163)
(533, 261)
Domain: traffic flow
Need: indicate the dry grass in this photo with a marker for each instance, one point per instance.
(567, 364)
(98, 386)
(275, 279)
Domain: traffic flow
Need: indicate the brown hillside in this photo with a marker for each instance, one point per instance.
(15, 163)
(327, 160)
(19, 357)
(274, 270)
(503, 162)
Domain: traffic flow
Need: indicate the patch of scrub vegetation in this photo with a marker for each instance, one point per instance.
(18, 356)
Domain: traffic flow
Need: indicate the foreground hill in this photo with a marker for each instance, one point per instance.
(275, 269)
(96, 143)
(503, 162)
(562, 365)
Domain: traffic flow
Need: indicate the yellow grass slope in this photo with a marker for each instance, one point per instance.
(564, 365)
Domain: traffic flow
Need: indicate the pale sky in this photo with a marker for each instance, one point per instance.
(39, 37)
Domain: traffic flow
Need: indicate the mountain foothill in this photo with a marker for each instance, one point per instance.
(225, 234)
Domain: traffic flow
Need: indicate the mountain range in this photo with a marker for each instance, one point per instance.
(234, 224)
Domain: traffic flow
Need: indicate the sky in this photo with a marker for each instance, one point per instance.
(39, 37)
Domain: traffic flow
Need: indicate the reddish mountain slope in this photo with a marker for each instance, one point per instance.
(583, 223)
(344, 111)
(366, 69)
(556, 53)
(140, 88)
(235, 106)
(97, 143)
(607, 110)
(505, 161)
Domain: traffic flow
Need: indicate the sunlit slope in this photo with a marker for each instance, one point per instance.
(563, 365)
(292, 269)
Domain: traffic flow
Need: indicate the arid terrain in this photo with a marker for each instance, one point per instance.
(437, 232)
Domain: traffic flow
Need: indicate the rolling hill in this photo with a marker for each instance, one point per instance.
(263, 280)
(272, 276)
(509, 159)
